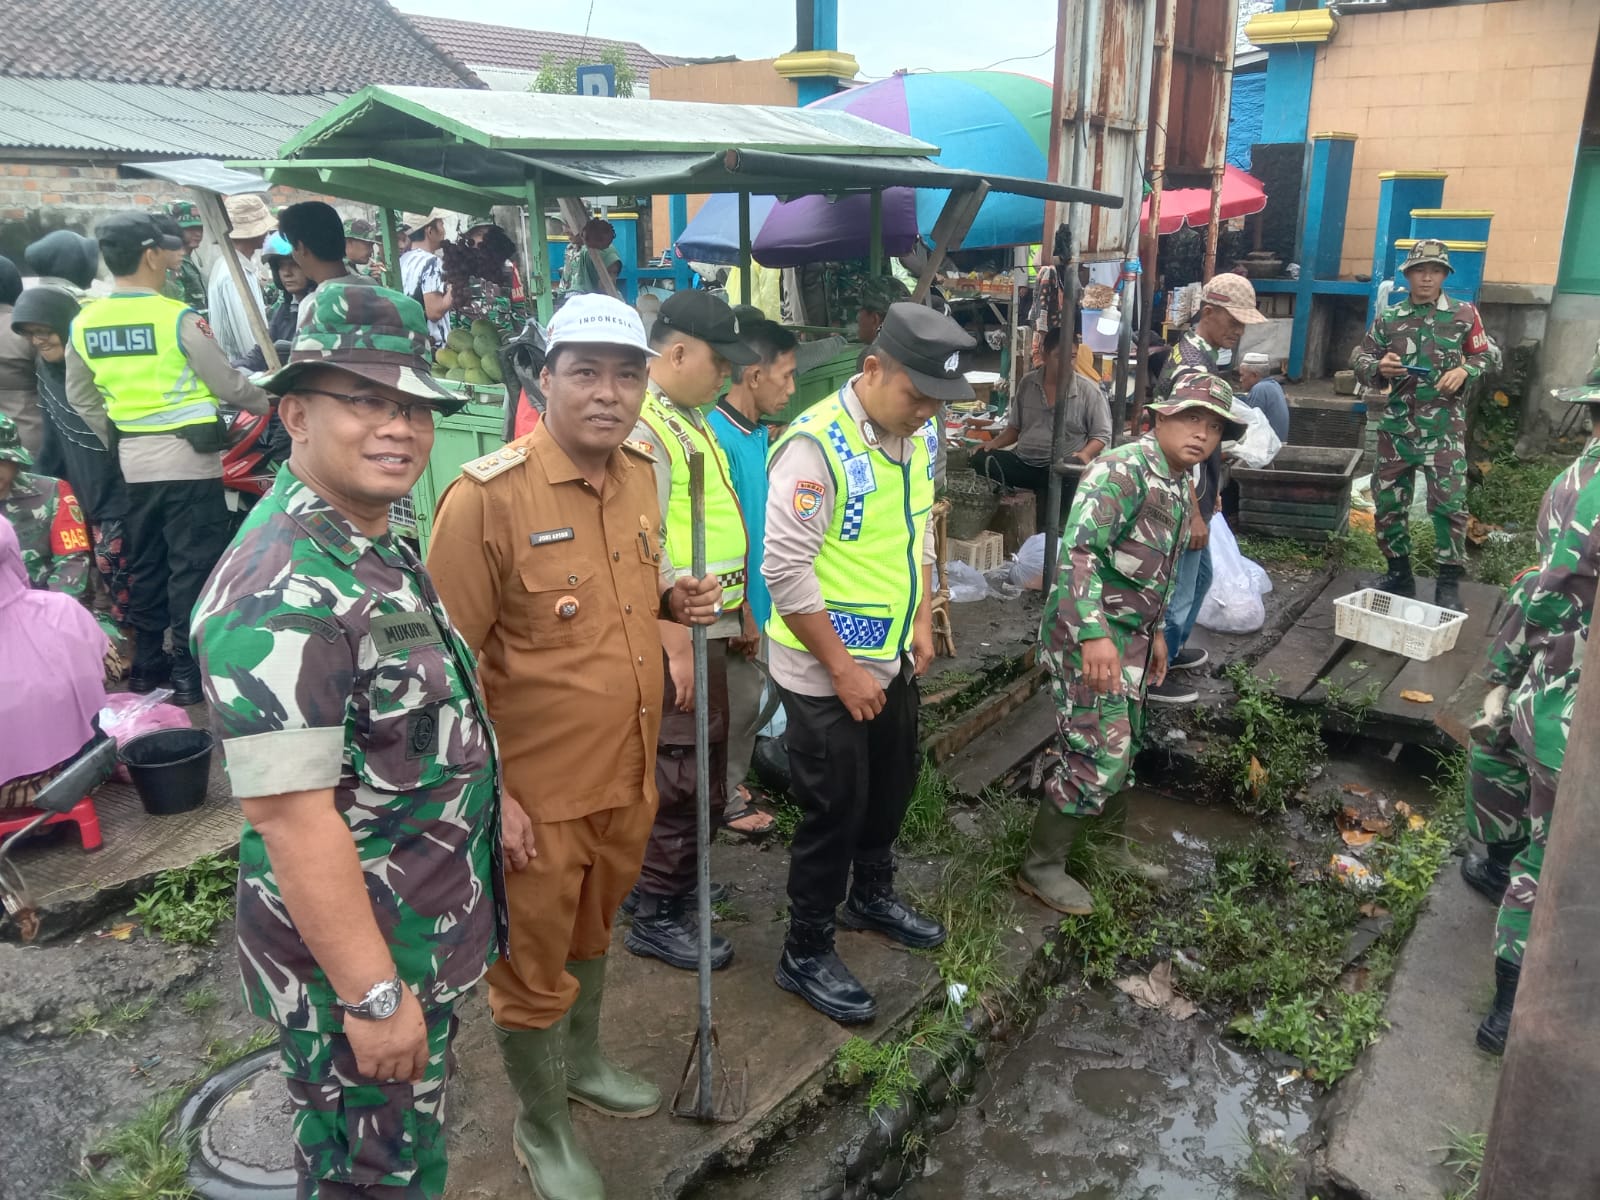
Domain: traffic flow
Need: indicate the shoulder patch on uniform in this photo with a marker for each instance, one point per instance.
(299, 622)
(641, 447)
(497, 463)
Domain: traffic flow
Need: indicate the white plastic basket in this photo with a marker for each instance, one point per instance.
(1397, 623)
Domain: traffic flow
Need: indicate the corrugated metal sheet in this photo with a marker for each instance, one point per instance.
(67, 114)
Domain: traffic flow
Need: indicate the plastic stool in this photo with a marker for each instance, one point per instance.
(82, 814)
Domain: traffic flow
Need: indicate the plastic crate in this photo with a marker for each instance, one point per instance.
(984, 552)
(1398, 624)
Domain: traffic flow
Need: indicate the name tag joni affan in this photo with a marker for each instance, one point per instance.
(545, 537)
(404, 631)
(118, 341)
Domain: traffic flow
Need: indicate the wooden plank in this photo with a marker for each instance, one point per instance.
(1309, 649)
(1441, 677)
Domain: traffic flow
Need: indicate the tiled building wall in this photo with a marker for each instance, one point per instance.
(1492, 93)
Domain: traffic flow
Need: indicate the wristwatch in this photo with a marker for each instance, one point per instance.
(381, 1001)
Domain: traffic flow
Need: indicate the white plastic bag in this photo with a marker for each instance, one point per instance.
(966, 583)
(1258, 576)
(1259, 445)
(1027, 570)
(1232, 605)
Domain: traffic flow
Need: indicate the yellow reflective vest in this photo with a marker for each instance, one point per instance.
(726, 542)
(870, 564)
(131, 344)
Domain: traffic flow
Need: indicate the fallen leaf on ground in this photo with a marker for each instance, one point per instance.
(1376, 825)
(1357, 837)
(1355, 789)
(1257, 776)
(1484, 466)
(1155, 991)
(1415, 696)
(1413, 820)
(1478, 531)
(122, 932)
(1373, 910)
(1502, 399)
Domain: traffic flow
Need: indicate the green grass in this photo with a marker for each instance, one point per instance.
(926, 828)
(116, 1021)
(1510, 491)
(1463, 1155)
(1281, 551)
(222, 1052)
(140, 1162)
(187, 904)
(786, 816)
(1501, 559)
(1273, 755)
(1268, 1168)
(199, 1000)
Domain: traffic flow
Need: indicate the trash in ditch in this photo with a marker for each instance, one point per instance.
(1415, 696)
(1413, 820)
(1155, 991)
(1359, 830)
(120, 932)
(1284, 1081)
(956, 993)
(1352, 872)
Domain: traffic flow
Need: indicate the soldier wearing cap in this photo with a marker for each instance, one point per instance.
(1545, 652)
(1102, 635)
(878, 292)
(49, 524)
(360, 242)
(696, 338)
(359, 747)
(848, 561)
(548, 555)
(1227, 305)
(1424, 351)
(146, 377)
(187, 283)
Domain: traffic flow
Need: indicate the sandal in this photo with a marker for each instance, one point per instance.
(760, 823)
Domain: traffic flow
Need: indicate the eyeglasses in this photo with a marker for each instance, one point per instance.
(378, 410)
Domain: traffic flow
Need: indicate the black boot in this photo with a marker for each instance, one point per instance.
(872, 905)
(186, 679)
(1492, 1033)
(1490, 874)
(665, 927)
(630, 902)
(149, 672)
(811, 969)
(1447, 588)
(1399, 581)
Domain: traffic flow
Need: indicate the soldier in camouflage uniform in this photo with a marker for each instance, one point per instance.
(187, 283)
(1557, 604)
(49, 523)
(1102, 637)
(1425, 352)
(370, 894)
(360, 248)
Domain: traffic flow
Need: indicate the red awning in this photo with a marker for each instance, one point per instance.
(1242, 195)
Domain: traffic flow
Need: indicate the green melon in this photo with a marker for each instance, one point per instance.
(491, 368)
(483, 327)
(476, 376)
(459, 339)
(466, 359)
(457, 374)
(485, 347)
(445, 357)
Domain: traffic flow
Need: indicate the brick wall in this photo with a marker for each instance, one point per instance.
(36, 197)
(1493, 93)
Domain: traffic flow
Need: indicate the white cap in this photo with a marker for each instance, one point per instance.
(1256, 359)
(593, 319)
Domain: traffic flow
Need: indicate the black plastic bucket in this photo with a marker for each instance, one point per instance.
(170, 769)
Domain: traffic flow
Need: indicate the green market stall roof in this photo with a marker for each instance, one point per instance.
(413, 148)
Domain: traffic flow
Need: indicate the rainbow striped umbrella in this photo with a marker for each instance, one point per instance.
(992, 121)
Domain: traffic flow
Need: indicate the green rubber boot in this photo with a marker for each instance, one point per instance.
(1115, 851)
(1044, 870)
(591, 1078)
(542, 1137)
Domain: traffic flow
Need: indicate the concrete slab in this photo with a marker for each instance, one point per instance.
(1425, 1074)
(1019, 735)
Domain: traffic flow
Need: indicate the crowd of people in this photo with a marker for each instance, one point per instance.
(466, 768)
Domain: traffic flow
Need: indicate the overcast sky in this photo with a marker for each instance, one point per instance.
(937, 35)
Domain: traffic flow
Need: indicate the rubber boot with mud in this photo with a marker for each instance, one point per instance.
(592, 1079)
(1492, 1033)
(542, 1137)
(1044, 870)
(872, 906)
(1447, 587)
(811, 968)
(1399, 581)
(1116, 852)
(1489, 874)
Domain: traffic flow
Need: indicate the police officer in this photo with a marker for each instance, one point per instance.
(358, 746)
(1424, 352)
(848, 561)
(50, 527)
(548, 555)
(696, 337)
(146, 376)
(1102, 635)
(187, 283)
(1548, 647)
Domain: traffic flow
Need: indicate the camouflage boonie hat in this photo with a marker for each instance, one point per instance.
(372, 332)
(477, 223)
(185, 214)
(11, 447)
(1427, 250)
(878, 292)
(1200, 390)
(360, 229)
(1587, 393)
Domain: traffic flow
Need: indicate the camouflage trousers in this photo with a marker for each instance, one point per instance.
(1516, 909)
(354, 1137)
(1444, 464)
(1095, 739)
(1497, 794)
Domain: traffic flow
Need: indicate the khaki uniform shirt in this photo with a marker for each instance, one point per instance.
(557, 590)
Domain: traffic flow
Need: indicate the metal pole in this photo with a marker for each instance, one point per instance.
(875, 245)
(745, 261)
(702, 781)
(391, 249)
(1159, 111)
(1135, 290)
(1217, 146)
(539, 280)
(1065, 365)
(1541, 1138)
(216, 225)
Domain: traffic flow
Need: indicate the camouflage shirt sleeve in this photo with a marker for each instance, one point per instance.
(1508, 657)
(279, 672)
(1561, 596)
(69, 545)
(1373, 346)
(1106, 497)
